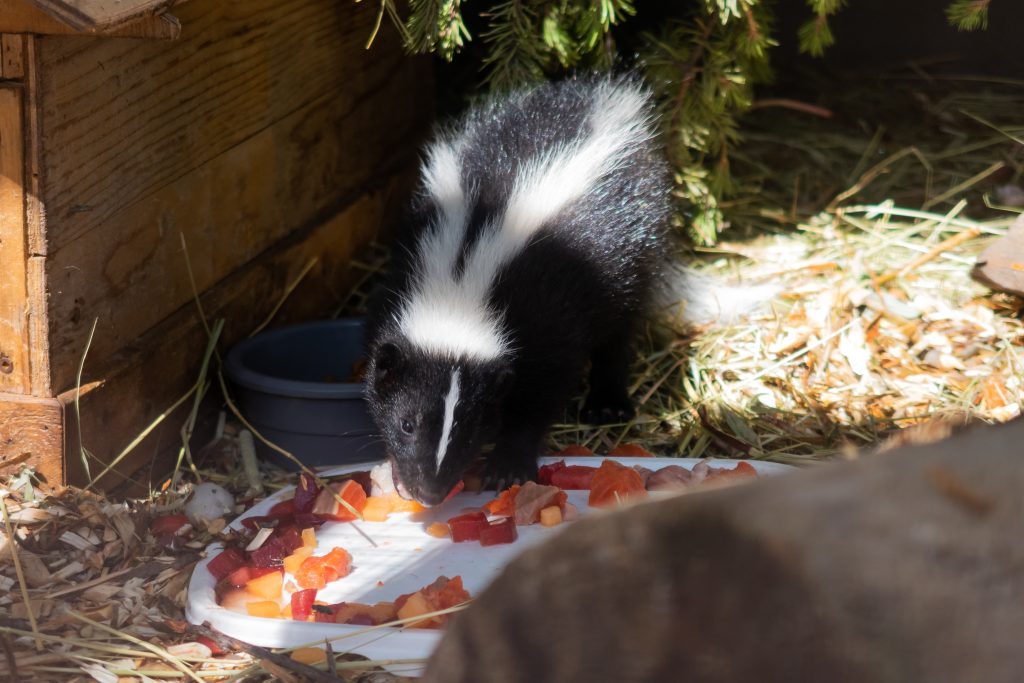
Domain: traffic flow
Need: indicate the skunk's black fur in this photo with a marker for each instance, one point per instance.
(441, 383)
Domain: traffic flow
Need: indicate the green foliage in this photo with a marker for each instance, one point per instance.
(968, 15)
(702, 65)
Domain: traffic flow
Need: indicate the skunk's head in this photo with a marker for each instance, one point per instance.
(435, 412)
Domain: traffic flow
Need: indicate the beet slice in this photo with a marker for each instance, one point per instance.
(279, 546)
(305, 493)
(499, 531)
(545, 472)
(224, 564)
(467, 527)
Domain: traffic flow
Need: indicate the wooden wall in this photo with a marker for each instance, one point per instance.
(266, 135)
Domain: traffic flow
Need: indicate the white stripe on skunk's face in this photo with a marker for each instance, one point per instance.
(451, 401)
(446, 311)
(434, 414)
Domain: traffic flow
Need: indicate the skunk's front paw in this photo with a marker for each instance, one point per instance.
(500, 473)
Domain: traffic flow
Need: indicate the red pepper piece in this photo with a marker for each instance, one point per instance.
(302, 604)
(545, 472)
(573, 477)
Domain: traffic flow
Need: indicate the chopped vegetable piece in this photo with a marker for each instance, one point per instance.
(573, 477)
(302, 604)
(445, 593)
(295, 560)
(505, 504)
(286, 508)
(415, 605)
(670, 478)
(366, 615)
(215, 649)
(551, 516)
(263, 608)
(399, 504)
(377, 509)
(631, 450)
(614, 483)
(309, 655)
(309, 538)
(224, 564)
(455, 490)
(306, 492)
(276, 548)
(498, 532)
(742, 470)
(545, 472)
(466, 527)
(267, 586)
(438, 530)
(329, 508)
(575, 449)
(167, 525)
(531, 499)
(317, 572)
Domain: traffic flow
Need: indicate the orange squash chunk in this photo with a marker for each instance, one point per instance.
(264, 608)
(399, 504)
(377, 509)
(309, 537)
(295, 560)
(309, 655)
(327, 506)
(415, 605)
(551, 516)
(438, 530)
(614, 483)
(317, 572)
(267, 586)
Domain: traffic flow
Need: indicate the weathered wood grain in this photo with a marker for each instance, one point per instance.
(34, 426)
(140, 381)
(15, 369)
(277, 111)
(12, 55)
(100, 14)
(19, 16)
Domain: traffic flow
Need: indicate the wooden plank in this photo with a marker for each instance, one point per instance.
(19, 16)
(15, 370)
(141, 381)
(34, 426)
(35, 227)
(301, 152)
(12, 57)
(101, 14)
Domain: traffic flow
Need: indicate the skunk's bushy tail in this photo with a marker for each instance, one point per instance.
(689, 297)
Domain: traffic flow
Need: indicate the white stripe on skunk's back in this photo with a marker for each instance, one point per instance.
(447, 314)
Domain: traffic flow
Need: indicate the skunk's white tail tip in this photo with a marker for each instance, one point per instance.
(694, 298)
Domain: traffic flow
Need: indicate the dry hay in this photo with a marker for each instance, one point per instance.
(869, 222)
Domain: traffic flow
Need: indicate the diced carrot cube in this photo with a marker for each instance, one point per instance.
(295, 560)
(317, 572)
(264, 608)
(309, 655)
(267, 586)
(551, 516)
(309, 537)
(505, 504)
(377, 509)
(438, 530)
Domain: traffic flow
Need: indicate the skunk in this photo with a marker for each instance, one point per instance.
(535, 240)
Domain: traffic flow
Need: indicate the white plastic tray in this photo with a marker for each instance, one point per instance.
(404, 560)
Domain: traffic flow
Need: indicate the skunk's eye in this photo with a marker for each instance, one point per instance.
(407, 427)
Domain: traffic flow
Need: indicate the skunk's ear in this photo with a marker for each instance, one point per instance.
(386, 361)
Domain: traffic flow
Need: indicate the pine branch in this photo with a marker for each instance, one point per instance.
(968, 15)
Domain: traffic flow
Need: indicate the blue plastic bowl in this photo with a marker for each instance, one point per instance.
(292, 385)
